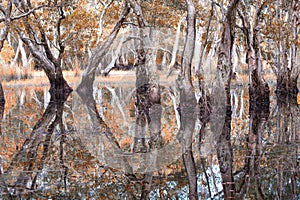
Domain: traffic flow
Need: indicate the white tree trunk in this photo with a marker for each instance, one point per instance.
(115, 56)
(175, 47)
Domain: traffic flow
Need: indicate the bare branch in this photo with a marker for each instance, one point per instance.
(138, 11)
(130, 23)
(2, 9)
(60, 43)
(47, 65)
(28, 12)
(219, 5)
(7, 20)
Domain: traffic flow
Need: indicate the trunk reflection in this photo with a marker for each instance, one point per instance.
(2, 105)
(29, 158)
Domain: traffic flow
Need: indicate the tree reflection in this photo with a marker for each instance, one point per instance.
(225, 156)
(259, 113)
(270, 170)
(99, 125)
(33, 154)
(286, 183)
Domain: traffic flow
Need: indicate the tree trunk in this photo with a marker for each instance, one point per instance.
(251, 179)
(2, 105)
(187, 106)
(171, 66)
(154, 96)
(224, 67)
(141, 83)
(3, 37)
(102, 128)
(88, 77)
(258, 89)
(287, 79)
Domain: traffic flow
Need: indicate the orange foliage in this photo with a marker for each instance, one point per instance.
(7, 53)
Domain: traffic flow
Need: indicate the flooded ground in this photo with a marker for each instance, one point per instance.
(55, 150)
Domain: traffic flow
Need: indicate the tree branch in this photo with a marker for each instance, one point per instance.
(7, 20)
(2, 9)
(60, 43)
(28, 13)
(138, 11)
(47, 66)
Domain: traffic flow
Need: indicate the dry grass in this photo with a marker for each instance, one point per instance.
(9, 73)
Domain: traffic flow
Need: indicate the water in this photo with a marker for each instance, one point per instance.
(62, 150)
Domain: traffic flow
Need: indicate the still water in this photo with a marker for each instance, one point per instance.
(81, 147)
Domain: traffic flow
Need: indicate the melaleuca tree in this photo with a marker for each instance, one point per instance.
(44, 38)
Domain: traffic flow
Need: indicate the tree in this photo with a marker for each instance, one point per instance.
(258, 89)
(188, 104)
(88, 77)
(224, 75)
(252, 177)
(32, 32)
(287, 40)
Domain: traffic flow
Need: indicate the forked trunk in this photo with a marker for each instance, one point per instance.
(59, 86)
